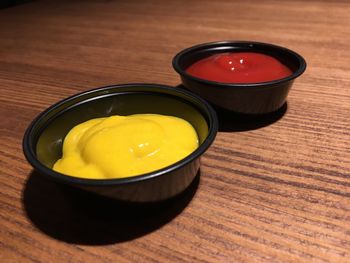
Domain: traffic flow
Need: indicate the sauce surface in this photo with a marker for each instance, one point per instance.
(123, 146)
(239, 67)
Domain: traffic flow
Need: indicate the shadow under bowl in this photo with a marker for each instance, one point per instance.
(245, 98)
(43, 139)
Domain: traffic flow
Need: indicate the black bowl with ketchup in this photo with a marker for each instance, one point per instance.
(240, 76)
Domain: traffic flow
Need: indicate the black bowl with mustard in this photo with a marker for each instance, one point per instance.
(44, 138)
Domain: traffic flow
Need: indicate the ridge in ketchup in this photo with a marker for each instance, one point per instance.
(239, 67)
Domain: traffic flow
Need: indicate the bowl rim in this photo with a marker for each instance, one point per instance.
(28, 145)
(232, 43)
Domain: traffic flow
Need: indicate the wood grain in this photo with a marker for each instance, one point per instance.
(268, 192)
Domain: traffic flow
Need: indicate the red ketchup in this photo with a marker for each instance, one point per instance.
(239, 67)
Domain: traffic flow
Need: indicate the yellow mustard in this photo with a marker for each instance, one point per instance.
(123, 146)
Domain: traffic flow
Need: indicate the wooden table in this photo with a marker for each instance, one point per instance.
(275, 191)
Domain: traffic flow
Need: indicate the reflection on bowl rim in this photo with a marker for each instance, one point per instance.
(30, 154)
(233, 44)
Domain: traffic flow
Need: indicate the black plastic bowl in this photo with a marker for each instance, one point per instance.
(42, 143)
(246, 98)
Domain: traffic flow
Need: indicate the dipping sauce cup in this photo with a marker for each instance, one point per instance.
(42, 143)
(244, 98)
